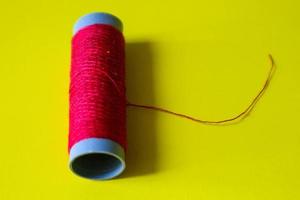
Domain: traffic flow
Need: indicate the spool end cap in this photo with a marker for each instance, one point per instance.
(97, 18)
(97, 158)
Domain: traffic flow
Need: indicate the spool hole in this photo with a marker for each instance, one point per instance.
(97, 166)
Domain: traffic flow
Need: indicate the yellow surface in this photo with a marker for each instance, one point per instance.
(203, 58)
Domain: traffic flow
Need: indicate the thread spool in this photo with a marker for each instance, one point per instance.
(96, 157)
(104, 157)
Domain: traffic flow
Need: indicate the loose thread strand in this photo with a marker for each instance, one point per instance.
(239, 116)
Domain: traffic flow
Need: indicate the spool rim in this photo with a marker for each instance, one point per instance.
(108, 155)
(97, 18)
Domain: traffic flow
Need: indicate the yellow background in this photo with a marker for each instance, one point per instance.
(203, 58)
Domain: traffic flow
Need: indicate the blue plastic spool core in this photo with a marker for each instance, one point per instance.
(97, 18)
(97, 158)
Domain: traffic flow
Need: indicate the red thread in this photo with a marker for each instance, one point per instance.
(235, 118)
(97, 89)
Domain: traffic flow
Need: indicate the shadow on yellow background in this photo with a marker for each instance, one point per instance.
(141, 157)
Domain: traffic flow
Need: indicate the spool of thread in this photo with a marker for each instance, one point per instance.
(97, 136)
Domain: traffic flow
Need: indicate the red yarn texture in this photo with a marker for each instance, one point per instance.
(97, 88)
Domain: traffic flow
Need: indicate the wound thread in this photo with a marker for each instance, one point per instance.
(97, 90)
